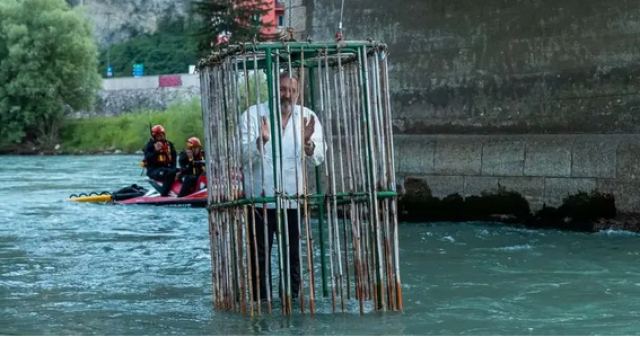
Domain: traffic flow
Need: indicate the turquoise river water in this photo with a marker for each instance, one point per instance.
(68, 268)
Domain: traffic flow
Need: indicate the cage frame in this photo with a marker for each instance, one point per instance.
(310, 56)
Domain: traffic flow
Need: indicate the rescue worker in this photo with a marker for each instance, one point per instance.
(160, 159)
(257, 148)
(191, 162)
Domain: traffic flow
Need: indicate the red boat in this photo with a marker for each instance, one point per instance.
(137, 195)
(153, 197)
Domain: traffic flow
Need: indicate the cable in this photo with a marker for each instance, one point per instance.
(339, 34)
(341, 13)
(290, 26)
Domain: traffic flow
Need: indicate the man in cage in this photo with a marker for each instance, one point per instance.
(301, 140)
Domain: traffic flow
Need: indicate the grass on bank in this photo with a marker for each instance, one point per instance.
(130, 132)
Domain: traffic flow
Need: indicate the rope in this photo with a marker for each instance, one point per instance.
(341, 14)
(289, 12)
(339, 35)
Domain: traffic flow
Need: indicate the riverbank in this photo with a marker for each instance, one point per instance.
(129, 132)
(126, 133)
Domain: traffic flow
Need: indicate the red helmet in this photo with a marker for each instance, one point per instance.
(157, 130)
(193, 142)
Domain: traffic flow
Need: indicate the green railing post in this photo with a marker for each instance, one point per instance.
(323, 265)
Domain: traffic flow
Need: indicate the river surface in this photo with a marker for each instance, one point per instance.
(68, 268)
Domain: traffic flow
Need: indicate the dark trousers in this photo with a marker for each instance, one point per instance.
(165, 175)
(188, 185)
(291, 260)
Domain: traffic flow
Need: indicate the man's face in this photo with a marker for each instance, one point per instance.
(159, 137)
(288, 92)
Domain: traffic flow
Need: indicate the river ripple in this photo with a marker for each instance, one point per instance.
(69, 268)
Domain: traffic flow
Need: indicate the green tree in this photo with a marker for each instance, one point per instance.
(170, 50)
(48, 62)
(248, 94)
(241, 19)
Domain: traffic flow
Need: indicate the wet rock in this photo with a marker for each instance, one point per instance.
(415, 188)
(578, 212)
(587, 212)
(626, 222)
(501, 205)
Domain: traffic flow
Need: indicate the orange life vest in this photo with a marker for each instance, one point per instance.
(164, 156)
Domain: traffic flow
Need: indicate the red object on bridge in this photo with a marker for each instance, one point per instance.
(273, 9)
(273, 12)
(169, 81)
(279, 8)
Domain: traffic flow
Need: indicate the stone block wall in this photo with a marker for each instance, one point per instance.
(496, 66)
(128, 94)
(543, 168)
(537, 96)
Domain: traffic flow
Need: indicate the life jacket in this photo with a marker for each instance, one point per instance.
(193, 166)
(198, 168)
(164, 155)
(162, 158)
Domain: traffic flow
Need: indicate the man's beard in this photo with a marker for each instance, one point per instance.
(285, 105)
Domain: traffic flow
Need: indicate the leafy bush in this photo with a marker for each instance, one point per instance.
(130, 132)
(240, 21)
(578, 212)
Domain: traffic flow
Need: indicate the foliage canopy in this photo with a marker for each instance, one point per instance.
(130, 132)
(170, 50)
(49, 65)
(240, 20)
(180, 42)
(48, 62)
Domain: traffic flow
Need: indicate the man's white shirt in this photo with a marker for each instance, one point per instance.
(291, 179)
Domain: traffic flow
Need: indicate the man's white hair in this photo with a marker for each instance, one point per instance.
(286, 74)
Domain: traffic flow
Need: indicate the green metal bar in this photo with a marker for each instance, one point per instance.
(318, 172)
(276, 156)
(371, 175)
(312, 90)
(317, 199)
(294, 48)
(242, 202)
(295, 64)
(272, 112)
(272, 117)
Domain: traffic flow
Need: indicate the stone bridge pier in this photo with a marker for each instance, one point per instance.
(538, 96)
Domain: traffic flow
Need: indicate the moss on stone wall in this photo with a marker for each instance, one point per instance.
(579, 212)
(500, 205)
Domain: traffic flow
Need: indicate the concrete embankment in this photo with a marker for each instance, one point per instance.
(127, 94)
(536, 97)
(543, 168)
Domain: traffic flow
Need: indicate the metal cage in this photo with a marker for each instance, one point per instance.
(345, 208)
